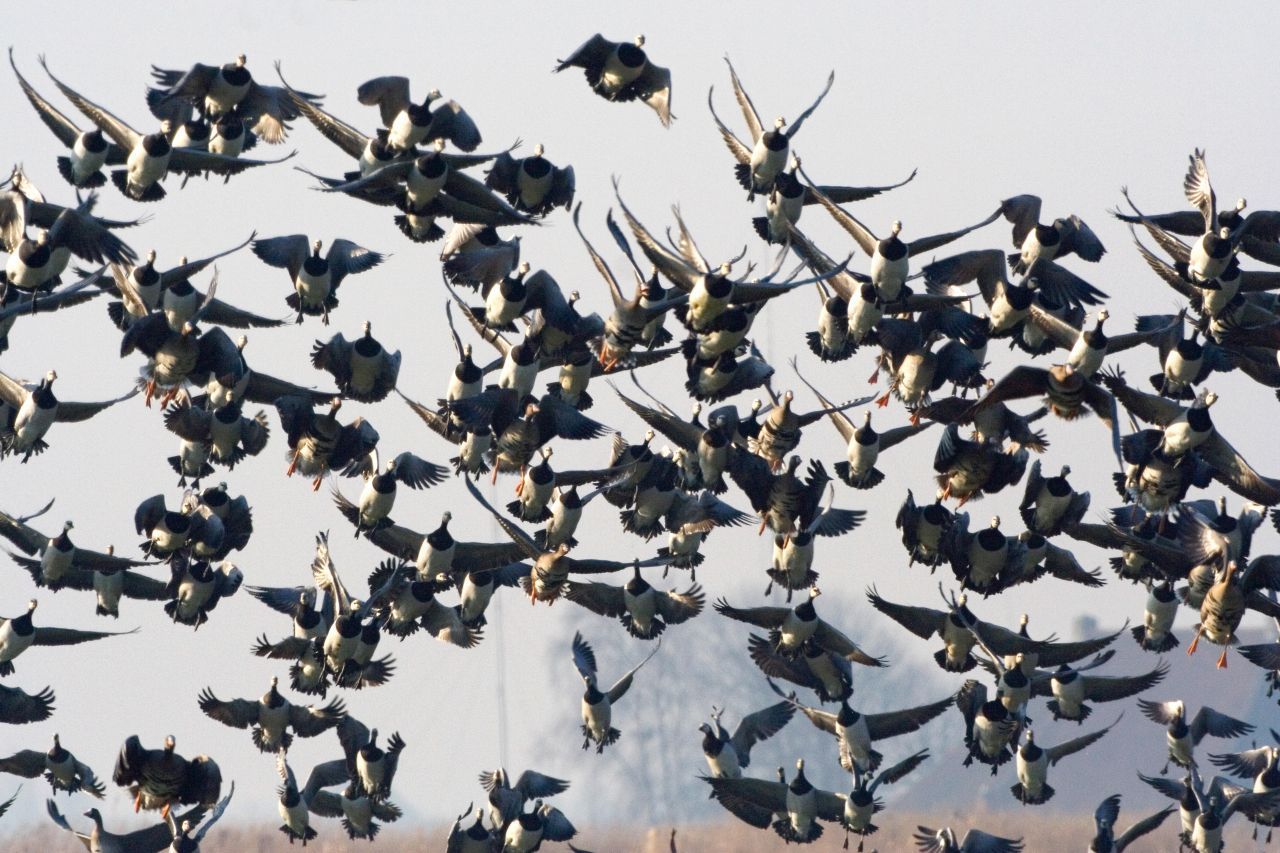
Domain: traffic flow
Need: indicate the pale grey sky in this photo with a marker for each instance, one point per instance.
(986, 101)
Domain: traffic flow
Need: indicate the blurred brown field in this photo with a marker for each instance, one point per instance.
(1042, 830)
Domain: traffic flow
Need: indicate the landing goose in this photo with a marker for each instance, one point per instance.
(622, 71)
(727, 754)
(974, 841)
(1184, 735)
(229, 89)
(56, 561)
(760, 164)
(271, 716)
(533, 184)
(196, 586)
(789, 196)
(409, 124)
(372, 768)
(319, 442)
(296, 805)
(507, 799)
(855, 732)
(438, 556)
(99, 840)
(542, 823)
(27, 411)
(989, 727)
(150, 156)
(1034, 762)
(89, 151)
(17, 634)
(645, 612)
(798, 805)
(160, 778)
(830, 676)
(597, 705)
(380, 489)
(1035, 241)
(59, 766)
(861, 804)
(522, 425)
(226, 434)
(1105, 839)
(790, 628)
(315, 278)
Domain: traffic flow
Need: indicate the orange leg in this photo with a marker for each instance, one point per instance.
(151, 391)
(137, 802)
(875, 375)
(946, 491)
(1195, 643)
(763, 523)
(883, 401)
(964, 500)
(494, 480)
(1222, 659)
(168, 396)
(315, 484)
(293, 464)
(520, 482)
(164, 812)
(915, 417)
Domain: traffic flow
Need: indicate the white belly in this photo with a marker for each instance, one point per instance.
(108, 588)
(143, 169)
(85, 162)
(312, 290)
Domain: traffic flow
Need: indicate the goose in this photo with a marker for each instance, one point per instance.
(1088, 347)
(226, 434)
(159, 778)
(507, 799)
(863, 443)
(597, 706)
(476, 255)
(99, 840)
(1185, 735)
(359, 811)
(798, 805)
(196, 587)
(760, 165)
(1219, 802)
(35, 266)
(728, 754)
(88, 151)
(63, 770)
(17, 634)
(170, 532)
(1155, 634)
(644, 611)
(830, 676)
(380, 489)
(1071, 689)
(218, 509)
(1049, 504)
(532, 185)
(855, 732)
(296, 805)
(108, 583)
(1035, 241)
(353, 633)
(410, 124)
(789, 196)
(371, 153)
(319, 442)
(372, 768)
(411, 604)
(792, 563)
(474, 839)
(974, 841)
(151, 157)
(522, 425)
(790, 628)
(1258, 764)
(27, 411)
(439, 557)
(542, 823)
(990, 728)
(1232, 592)
(890, 256)
(363, 369)
(924, 529)
(1066, 393)
(315, 277)
(632, 321)
(970, 470)
(57, 560)
(785, 502)
(780, 429)
(916, 371)
(539, 482)
(861, 804)
(711, 290)
(1105, 839)
(271, 716)
(622, 71)
(229, 89)
(1034, 762)
(551, 568)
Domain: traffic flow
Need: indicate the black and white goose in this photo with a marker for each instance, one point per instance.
(1049, 504)
(438, 556)
(1034, 761)
(17, 634)
(855, 732)
(798, 805)
(223, 434)
(945, 840)
(61, 768)
(229, 89)
(622, 71)
(319, 442)
(1183, 734)
(100, 840)
(830, 676)
(379, 494)
(1260, 765)
(1106, 840)
(597, 705)
(645, 612)
(361, 812)
(271, 716)
(790, 628)
(409, 124)
(989, 728)
(372, 767)
(88, 151)
(151, 157)
(296, 805)
(541, 823)
(861, 804)
(758, 166)
(56, 561)
(507, 798)
(727, 754)
(27, 411)
(196, 586)
(789, 196)
(1034, 241)
(533, 184)
(315, 278)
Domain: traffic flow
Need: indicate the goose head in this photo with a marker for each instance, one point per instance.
(367, 329)
(1103, 316)
(639, 40)
(169, 743)
(779, 123)
(241, 59)
(32, 605)
(814, 592)
(315, 247)
(151, 257)
(538, 149)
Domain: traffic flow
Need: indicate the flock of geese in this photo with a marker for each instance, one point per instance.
(924, 328)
